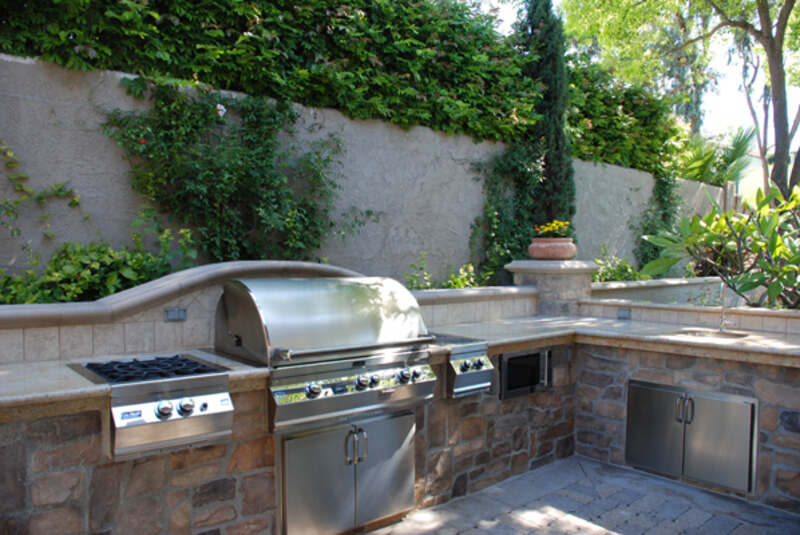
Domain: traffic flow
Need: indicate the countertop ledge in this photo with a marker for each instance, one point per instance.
(157, 292)
(50, 383)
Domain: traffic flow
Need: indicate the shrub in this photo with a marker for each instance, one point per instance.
(754, 251)
(418, 278)
(438, 63)
(215, 163)
(613, 268)
(81, 272)
(612, 122)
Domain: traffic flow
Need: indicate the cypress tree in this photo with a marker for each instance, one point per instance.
(541, 36)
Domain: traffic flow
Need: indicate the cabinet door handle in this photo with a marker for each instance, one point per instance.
(679, 410)
(690, 415)
(348, 459)
(362, 435)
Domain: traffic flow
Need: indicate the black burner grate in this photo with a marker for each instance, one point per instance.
(126, 371)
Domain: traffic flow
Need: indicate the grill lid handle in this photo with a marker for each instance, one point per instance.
(285, 354)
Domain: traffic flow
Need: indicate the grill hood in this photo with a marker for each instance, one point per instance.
(282, 319)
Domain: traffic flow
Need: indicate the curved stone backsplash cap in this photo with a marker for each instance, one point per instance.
(157, 292)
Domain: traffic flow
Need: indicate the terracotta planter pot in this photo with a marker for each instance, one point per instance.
(552, 249)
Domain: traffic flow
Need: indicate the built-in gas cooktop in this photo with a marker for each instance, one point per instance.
(161, 402)
(148, 369)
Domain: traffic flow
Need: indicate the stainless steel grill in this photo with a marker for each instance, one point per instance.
(349, 361)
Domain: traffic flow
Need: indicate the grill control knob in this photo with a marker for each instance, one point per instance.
(465, 366)
(404, 375)
(415, 374)
(478, 364)
(164, 409)
(374, 380)
(362, 382)
(186, 406)
(313, 390)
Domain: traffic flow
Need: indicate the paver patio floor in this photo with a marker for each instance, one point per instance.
(580, 496)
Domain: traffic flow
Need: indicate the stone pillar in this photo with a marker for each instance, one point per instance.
(561, 283)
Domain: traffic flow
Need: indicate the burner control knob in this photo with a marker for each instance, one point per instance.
(164, 409)
(404, 375)
(313, 390)
(362, 382)
(464, 366)
(186, 406)
(478, 364)
(415, 374)
(374, 380)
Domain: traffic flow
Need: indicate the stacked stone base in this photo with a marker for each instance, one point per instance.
(54, 479)
(464, 445)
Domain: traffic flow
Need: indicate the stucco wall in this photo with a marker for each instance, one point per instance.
(421, 182)
(610, 198)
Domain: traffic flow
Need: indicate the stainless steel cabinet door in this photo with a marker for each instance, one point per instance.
(719, 441)
(385, 479)
(655, 433)
(320, 497)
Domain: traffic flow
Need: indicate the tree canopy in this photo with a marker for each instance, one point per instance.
(633, 37)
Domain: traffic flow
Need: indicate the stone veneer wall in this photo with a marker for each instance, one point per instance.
(53, 479)
(464, 445)
(602, 375)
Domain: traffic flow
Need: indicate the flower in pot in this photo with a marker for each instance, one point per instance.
(552, 241)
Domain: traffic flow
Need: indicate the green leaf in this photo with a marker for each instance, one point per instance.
(774, 290)
(128, 273)
(659, 266)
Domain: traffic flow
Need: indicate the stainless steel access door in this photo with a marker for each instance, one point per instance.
(718, 440)
(385, 471)
(318, 482)
(655, 429)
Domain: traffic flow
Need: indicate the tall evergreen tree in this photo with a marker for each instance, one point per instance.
(540, 35)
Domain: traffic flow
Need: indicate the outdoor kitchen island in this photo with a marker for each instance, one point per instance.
(58, 477)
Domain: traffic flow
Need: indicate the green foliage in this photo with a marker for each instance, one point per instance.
(708, 162)
(754, 251)
(652, 58)
(25, 195)
(418, 278)
(438, 63)
(540, 36)
(530, 183)
(613, 122)
(644, 41)
(215, 164)
(512, 186)
(81, 272)
(614, 268)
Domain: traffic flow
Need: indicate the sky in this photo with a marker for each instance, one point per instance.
(725, 106)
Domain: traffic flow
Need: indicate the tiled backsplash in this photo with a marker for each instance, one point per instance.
(147, 331)
(777, 321)
(471, 305)
(144, 332)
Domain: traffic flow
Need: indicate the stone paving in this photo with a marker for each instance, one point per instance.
(581, 496)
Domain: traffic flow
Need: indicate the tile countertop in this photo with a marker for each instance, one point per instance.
(54, 384)
(505, 335)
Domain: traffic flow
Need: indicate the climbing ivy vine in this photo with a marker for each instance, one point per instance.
(215, 163)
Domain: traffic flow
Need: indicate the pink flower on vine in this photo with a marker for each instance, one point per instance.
(142, 140)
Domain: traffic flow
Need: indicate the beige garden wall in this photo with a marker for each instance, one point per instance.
(421, 182)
